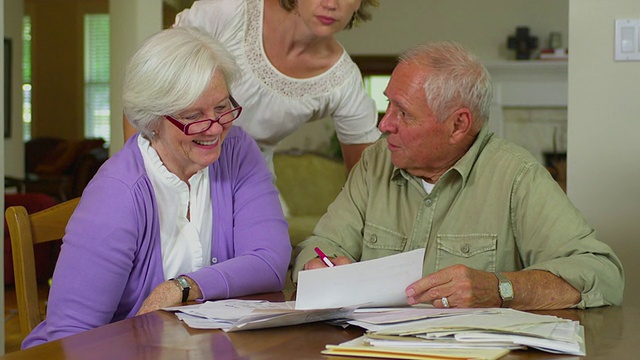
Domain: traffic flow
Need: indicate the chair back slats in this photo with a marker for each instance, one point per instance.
(25, 231)
(49, 224)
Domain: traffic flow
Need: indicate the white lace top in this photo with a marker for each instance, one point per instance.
(275, 105)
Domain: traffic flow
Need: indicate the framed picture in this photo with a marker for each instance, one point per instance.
(7, 88)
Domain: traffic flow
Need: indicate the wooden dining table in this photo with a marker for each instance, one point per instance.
(610, 333)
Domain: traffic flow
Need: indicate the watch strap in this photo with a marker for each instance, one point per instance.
(183, 285)
(504, 281)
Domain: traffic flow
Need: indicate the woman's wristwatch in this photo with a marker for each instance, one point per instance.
(183, 285)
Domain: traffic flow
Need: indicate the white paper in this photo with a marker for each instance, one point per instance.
(378, 282)
(477, 328)
(405, 314)
(360, 347)
(566, 337)
(236, 315)
(505, 320)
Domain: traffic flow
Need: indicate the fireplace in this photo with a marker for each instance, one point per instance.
(530, 109)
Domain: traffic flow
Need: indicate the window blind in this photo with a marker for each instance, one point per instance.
(26, 78)
(96, 77)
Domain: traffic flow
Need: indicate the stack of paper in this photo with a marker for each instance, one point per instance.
(464, 330)
(408, 332)
(358, 347)
(322, 294)
(236, 315)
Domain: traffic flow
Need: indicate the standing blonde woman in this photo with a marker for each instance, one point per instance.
(293, 70)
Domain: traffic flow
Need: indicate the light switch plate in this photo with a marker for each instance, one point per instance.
(627, 40)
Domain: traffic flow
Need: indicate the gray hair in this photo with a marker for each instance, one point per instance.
(168, 72)
(457, 79)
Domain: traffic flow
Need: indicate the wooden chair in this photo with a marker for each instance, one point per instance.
(26, 231)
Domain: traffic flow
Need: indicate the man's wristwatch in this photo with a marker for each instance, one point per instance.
(505, 288)
(183, 285)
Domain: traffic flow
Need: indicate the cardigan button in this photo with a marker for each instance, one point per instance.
(214, 260)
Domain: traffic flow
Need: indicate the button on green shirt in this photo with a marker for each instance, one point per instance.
(497, 209)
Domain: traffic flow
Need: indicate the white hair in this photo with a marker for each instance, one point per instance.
(169, 72)
(456, 79)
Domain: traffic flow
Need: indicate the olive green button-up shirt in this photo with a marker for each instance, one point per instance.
(496, 209)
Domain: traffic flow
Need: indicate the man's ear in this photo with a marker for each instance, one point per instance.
(462, 125)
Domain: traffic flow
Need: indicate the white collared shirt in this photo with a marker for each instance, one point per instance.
(186, 244)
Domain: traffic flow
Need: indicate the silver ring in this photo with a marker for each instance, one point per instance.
(445, 301)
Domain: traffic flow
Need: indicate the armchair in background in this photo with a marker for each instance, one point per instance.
(14, 185)
(308, 182)
(62, 168)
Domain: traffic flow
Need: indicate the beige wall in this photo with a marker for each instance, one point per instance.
(603, 127)
(13, 146)
(481, 26)
(137, 20)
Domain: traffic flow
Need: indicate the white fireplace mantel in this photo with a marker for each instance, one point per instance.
(530, 83)
(527, 84)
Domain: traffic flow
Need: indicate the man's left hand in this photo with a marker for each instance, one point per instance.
(463, 287)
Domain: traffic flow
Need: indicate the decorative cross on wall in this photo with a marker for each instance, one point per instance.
(522, 43)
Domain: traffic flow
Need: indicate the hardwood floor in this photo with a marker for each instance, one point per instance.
(13, 338)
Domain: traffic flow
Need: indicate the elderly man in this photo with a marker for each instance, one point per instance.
(497, 229)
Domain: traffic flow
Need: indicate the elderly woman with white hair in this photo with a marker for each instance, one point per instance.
(185, 211)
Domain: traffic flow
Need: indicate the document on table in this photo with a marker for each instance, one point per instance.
(359, 347)
(479, 328)
(369, 318)
(371, 283)
(236, 315)
(493, 319)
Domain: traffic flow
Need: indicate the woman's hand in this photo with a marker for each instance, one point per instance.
(168, 294)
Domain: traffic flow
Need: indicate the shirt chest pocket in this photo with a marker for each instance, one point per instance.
(379, 242)
(477, 251)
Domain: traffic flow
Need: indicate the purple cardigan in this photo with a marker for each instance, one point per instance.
(111, 259)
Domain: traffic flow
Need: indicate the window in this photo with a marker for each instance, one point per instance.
(375, 85)
(96, 77)
(26, 78)
(376, 71)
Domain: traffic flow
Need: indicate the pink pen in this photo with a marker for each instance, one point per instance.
(324, 257)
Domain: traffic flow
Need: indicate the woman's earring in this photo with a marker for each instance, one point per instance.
(354, 21)
(295, 8)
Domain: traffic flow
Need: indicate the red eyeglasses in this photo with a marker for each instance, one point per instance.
(200, 126)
